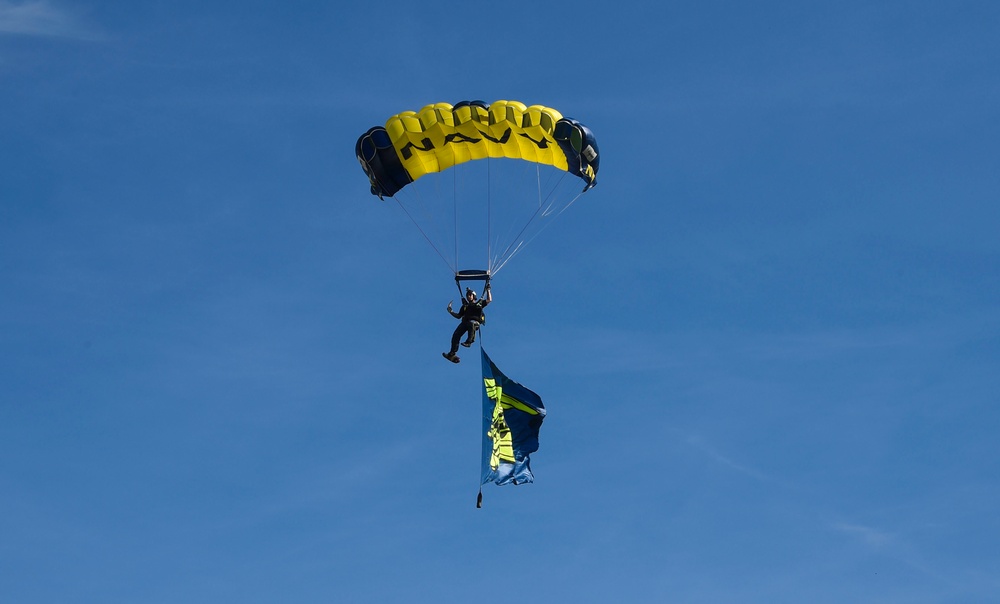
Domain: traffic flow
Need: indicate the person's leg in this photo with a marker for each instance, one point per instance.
(473, 327)
(457, 336)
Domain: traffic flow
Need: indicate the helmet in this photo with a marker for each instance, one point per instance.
(469, 291)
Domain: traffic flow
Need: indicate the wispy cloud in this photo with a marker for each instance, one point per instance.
(897, 548)
(42, 18)
(872, 537)
(699, 443)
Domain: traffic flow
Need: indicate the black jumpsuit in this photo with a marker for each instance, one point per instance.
(471, 315)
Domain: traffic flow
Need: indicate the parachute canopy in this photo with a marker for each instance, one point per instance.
(480, 180)
(441, 136)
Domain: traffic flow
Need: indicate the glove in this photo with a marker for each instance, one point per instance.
(449, 305)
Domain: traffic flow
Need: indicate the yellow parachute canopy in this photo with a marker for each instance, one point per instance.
(440, 136)
(462, 205)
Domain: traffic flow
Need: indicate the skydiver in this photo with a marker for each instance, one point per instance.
(471, 315)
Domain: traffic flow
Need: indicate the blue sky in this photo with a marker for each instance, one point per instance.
(767, 341)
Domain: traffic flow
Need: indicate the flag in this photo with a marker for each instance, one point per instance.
(512, 416)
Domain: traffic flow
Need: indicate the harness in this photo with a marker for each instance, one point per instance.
(473, 312)
(471, 275)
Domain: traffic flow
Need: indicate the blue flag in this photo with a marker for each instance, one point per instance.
(512, 416)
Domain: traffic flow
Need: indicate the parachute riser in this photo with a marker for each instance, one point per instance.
(471, 275)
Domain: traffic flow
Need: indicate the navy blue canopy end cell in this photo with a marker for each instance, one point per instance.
(379, 161)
